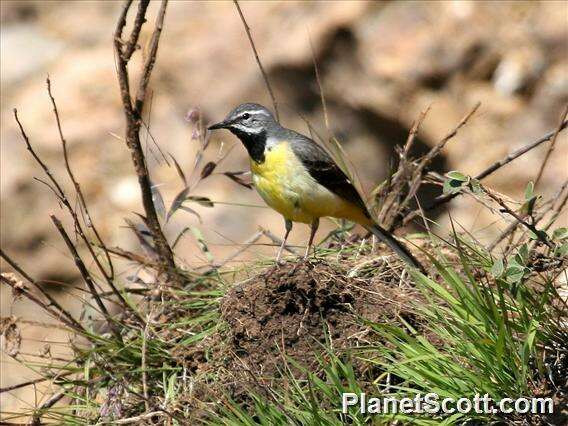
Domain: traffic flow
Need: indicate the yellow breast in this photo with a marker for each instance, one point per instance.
(275, 180)
(286, 186)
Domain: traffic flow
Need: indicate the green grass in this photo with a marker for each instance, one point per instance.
(482, 329)
(485, 335)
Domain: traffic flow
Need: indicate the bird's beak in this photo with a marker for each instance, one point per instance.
(221, 125)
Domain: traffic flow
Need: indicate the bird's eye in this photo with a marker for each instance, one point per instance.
(245, 116)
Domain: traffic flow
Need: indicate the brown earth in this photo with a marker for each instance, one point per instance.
(292, 311)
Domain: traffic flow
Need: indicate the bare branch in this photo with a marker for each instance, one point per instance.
(109, 275)
(259, 63)
(33, 382)
(85, 274)
(50, 402)
(133, 116)
(440, 145)
(59, 191)
(390, 192)
(562, 200)
(245, 246)
(444, 198)
(62, 314)
(427, 159)
(139, 21)
(122, 71)
(417, 170)
(414, 131)
(64, 200)
(320, 84)
(538, 217)
(531, 227)
(142, 418)
(151, 57)
(277, 240)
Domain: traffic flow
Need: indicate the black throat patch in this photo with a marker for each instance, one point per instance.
(254, 143)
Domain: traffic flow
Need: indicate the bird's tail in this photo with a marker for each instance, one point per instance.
(387, 238)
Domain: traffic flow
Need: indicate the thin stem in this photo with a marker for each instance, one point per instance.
(551, 147)
(259, 63)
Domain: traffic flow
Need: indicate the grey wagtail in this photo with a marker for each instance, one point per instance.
(297, 177)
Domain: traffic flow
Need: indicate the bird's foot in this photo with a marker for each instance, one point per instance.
(308, 258)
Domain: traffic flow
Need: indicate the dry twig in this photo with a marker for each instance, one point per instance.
(427, 159)
(531, 227)
(132, 107)
(33, 382)
(59, 192)
(554, 207)
(389, 193)
(444, 198)
(85, 274)
(551, 147)
(61, 314)
(109, 276)
(320, 84)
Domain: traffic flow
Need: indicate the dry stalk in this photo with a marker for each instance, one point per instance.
(320, 84)
(444, 198)
(62, 197)
(33, 382)
(531, 227)
(61, 314)
(410, 174)
(388, 196)
(133, 107)
(85, 274)
(555, 208)
(109, 276)
(259, 63)
(551, 147)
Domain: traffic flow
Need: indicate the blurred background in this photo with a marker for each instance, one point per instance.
(380, 63)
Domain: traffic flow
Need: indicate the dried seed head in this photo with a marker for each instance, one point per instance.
(193, 115)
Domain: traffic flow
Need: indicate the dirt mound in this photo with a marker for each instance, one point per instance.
(290, 310)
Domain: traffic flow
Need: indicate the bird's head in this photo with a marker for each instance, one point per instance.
(247, 119)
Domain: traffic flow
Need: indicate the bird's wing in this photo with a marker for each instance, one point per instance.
(324, 170)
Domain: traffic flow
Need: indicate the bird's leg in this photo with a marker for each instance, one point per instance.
(313, 230)
(288, 224)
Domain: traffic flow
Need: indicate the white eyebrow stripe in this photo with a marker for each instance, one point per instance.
(255, 112)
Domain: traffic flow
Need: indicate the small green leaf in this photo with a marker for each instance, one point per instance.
(560, 234)
(452, 186)
(455, 175)
(515, 274)
(529, 191)
(515, 261)
(524, 254)
(498, 268)
(562, 250)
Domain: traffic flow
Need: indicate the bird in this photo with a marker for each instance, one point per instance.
(296, 177)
